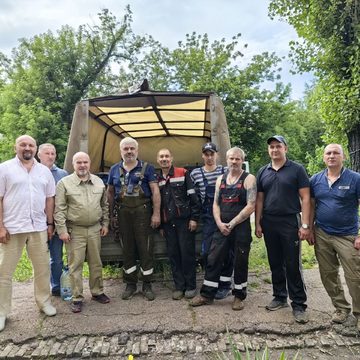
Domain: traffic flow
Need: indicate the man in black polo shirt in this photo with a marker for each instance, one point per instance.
(280, 185)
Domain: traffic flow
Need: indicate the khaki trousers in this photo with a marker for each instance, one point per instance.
(38, 252)
(331, 251)
(85, 242)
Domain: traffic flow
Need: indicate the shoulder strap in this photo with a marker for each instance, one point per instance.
(204, 177)
(121, 172)
(223, 180)
(143, 169)
(243, 176)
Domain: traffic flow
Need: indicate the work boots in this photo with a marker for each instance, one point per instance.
(130, 290)
(147, 291)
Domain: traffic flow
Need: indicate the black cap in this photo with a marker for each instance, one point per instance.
(278, 138)
(209, 147)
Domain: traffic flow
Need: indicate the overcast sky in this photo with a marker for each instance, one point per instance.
(166, 20)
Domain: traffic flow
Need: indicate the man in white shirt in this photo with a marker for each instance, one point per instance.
(27, 191)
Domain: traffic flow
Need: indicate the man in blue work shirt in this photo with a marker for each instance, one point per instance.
(335, 196)
(133, 184)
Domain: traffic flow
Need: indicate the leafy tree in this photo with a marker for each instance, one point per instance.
(48, 74)
(330, 30)
(253, 113)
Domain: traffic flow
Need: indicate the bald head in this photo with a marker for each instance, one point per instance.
(334, 146)
(334, 156)
(25, 148)
(25, 138)
(81, 163)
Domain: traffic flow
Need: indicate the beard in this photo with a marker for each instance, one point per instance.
(27, 155)
(82, 172)
(130, 157)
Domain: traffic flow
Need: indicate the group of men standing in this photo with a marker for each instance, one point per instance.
(29, 212)
(288, 208)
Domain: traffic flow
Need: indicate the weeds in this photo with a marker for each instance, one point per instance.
(258, 355)
(258, 263)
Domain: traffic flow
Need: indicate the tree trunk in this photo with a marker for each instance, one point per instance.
(354, 147)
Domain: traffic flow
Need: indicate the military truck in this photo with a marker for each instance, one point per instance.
(180, 121)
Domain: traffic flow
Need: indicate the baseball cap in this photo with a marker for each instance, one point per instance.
(278, 138)
(209, 147)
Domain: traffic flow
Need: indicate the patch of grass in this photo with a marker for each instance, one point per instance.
(112, 272)
(23, 271)
(257, 355)
(163, 268)
(308, 256)
(253, 285)
(258, 263)
(267, 280)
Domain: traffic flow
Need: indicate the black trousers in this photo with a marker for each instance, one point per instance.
(209, 228)
(181, 251)
(284, 254)
(239, 241)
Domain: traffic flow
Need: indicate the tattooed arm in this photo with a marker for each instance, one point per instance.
(250, 186)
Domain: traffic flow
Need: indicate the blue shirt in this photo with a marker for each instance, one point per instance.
(336, 206)
(58, 173)
(133, 177)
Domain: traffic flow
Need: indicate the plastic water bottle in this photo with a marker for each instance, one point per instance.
(65, 285)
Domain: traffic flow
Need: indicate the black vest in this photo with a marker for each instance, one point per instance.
(232, 198)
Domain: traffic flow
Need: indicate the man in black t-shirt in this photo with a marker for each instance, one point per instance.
(280, 185)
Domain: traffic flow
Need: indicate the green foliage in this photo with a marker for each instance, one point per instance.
(48, 74)
(258, 261)
(253, 114)
(23, 271)
(331, 48)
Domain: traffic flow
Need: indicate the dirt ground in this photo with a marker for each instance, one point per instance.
(168, 329)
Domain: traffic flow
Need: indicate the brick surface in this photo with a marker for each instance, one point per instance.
(39, 348)
(55, 348)
(105, 349)
(144, 347)
(114, 345)
(79, 346)
(12, 353)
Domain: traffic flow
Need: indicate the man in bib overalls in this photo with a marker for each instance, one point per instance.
(133, 184)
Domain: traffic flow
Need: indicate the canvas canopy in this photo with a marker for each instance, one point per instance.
(179, 121)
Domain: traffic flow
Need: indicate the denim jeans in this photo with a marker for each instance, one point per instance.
(56, 262)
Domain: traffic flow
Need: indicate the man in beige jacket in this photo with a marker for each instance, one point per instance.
(81, 218)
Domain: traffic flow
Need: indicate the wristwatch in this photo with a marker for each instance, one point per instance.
(305, 226)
